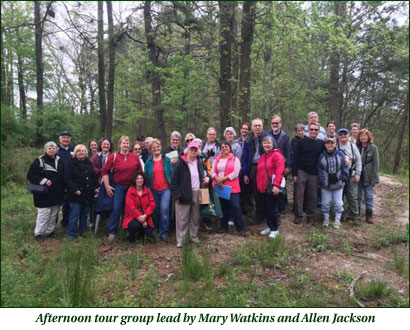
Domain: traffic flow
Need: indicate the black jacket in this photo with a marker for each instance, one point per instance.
(37, 174)
(79, 175)
(251, 139)
(181, 180)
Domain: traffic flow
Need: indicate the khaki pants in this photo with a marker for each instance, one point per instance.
(187, 218)
(350, 192)
(46, 220)
(306, 186)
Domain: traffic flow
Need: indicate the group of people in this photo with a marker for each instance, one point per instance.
(156, 187)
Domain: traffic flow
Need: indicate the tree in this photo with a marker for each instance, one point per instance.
(247, 31)
(153, 53)
(101, 70)
(39, 69)
(226, 17)
(111, 70)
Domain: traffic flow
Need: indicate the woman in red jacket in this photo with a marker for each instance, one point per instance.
(139, 206)
(269, 164)
(225, 171)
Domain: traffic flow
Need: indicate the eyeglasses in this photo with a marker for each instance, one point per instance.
(342, 133)
(137, 149)
(313, 129)
(189, 140)
(275, 123)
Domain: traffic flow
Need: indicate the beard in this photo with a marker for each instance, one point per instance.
(276, 129)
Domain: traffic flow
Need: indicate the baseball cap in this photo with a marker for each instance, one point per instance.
(65, 133)
(193, 145)
(342, 130)
(330, 139)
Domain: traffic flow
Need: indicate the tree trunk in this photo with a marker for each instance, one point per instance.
(235, 63)
(4, 100)
(226, 13)
(401, 135)
(111, 70)
(39, 70)
(154, 76)
(101, 70)
(334, 85)
(22, 91)
(247, 31)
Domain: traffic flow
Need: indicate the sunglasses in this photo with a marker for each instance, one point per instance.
(313, 129)
(189, 140)
(275, 123)
(137, 149)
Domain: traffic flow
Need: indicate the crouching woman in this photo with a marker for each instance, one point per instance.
(139, 207)
(47, 170)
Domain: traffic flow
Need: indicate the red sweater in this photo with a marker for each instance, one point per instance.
(135, 203)
(275, 164)
(124, 167)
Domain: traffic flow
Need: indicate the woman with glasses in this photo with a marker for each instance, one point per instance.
(188, 139)
(187, 177)
(137, 149)
(225, 172)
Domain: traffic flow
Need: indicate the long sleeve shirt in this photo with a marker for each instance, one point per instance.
(307, 156)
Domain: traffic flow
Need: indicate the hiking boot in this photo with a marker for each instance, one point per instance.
(208, 227)
(298, 220)
(310, 221)
(266, 231)
(39, 238)
(369, 216)
(51, 235)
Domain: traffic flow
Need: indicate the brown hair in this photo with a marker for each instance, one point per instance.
(367, 132)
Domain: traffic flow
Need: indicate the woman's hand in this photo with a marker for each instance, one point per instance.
(372, 183)
(110, 190)
(78, 193)
(205, 180)
(246, 179)
(356, 179)
(49, 183)
(275, 191)
(220, 185)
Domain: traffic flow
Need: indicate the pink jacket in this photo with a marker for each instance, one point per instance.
(275, 164)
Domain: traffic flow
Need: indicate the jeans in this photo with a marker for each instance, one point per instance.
(335, 196)
(77, 219)
(368, 195)
(117, 207)
(135, 227)
(232, 207)
(65, 210)
(162, 199)
(270, 203)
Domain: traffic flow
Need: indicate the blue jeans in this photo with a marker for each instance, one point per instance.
(270, 203)
(162, 199)
(368, 195)
(65, 209)
(335, 196)
(232, 207)
(77, 219)
(117, 207)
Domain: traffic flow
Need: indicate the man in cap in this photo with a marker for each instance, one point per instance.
(355, 169)
(64, 152)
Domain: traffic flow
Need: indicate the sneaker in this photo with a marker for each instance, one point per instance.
(266, 231)
(326, 223)
(273, 234)
(39, 238)
(298, 220)
(231, 223)
(179, 245)
(208, 227)
(164, 238)
(111, 237)
(336, 225)
(195, 240)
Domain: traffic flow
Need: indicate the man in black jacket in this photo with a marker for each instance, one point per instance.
(305, 173)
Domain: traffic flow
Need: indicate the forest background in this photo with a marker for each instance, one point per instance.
(129, 68)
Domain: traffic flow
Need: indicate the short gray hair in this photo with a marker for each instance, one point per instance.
(299, 126)
(175, 133)
(312, 113)
(50, 144)
(270, 138)
(230, 129)
(316, 124)
(211, 128)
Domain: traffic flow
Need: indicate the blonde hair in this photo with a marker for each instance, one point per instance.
(76, 149)
(189, 136)
(154, 141)
(122, 138)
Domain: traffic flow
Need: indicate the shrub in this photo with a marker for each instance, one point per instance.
(317, 240)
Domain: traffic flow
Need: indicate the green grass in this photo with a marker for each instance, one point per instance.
(373, 290)
(134, 261)
(401, 265)
(318, 240)
(386, 237)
